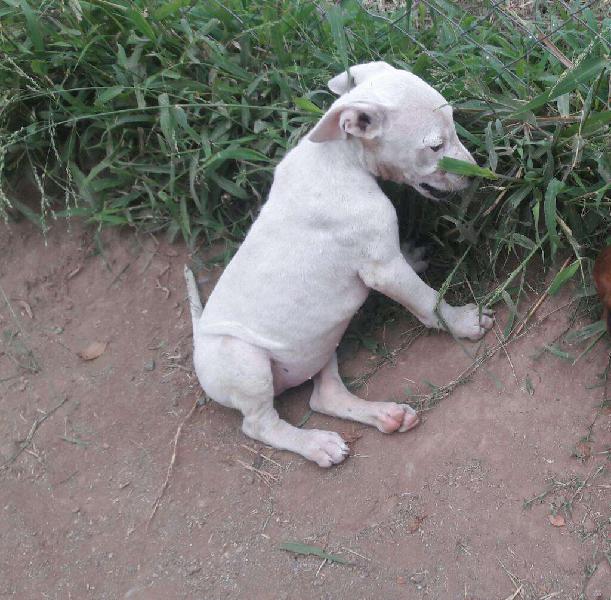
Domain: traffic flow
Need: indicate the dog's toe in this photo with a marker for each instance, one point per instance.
(395, 417)
(390, 417)
(325, 448)
(486, 322)
(470, 322)
(410, 420)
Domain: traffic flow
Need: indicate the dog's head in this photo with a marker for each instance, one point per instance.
(404, 126)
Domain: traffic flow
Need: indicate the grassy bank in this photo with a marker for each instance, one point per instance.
(171, 115)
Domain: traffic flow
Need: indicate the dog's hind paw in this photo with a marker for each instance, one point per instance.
(325, 448)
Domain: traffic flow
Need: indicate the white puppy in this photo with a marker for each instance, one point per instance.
(325, 237)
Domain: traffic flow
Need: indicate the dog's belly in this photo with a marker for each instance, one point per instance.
(295, 366)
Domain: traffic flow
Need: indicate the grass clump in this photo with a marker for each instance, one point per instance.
(172, 115)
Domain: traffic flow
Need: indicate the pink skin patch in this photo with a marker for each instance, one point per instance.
(393, 417)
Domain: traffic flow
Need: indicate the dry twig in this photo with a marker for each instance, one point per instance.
(515, 594)
(261, 455)
(502, 344)
(28, 440)
(170, 466)
(265, 476)
(537, 305)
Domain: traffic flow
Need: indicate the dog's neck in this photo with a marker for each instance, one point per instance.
(354, 156)
(376, 166)
(342, 155)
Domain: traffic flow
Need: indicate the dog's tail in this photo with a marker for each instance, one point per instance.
(195, 303)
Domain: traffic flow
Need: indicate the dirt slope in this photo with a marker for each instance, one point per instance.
(435, 513)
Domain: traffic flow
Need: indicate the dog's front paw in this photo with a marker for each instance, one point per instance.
(415, 256)
(325, 448)
(469, 321)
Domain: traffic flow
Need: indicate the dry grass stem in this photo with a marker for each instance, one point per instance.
(170, 466)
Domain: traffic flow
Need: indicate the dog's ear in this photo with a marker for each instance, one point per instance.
(345, 81)
(359, 119)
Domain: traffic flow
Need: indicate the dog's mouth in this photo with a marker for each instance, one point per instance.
(436, 193)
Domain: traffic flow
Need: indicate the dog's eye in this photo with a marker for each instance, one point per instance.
(437, 148)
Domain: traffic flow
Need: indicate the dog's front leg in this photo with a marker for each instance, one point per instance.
(396, 279)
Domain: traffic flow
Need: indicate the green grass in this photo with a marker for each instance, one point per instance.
(172, 115)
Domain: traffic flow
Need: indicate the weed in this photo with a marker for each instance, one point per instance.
(172, 115)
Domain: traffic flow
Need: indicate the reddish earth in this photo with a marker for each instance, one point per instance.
(434, 513)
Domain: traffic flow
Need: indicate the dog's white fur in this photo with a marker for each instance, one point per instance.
(325, 237)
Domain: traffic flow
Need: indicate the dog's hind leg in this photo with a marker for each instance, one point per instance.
(331, 397)
(239, 375)
(415, 256)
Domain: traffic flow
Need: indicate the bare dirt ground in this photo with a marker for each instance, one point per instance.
(435, 513)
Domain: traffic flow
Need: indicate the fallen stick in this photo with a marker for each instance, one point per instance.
(28, 439)
(265, 477)
(513, 596)
(261, 455)
(170, 466)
